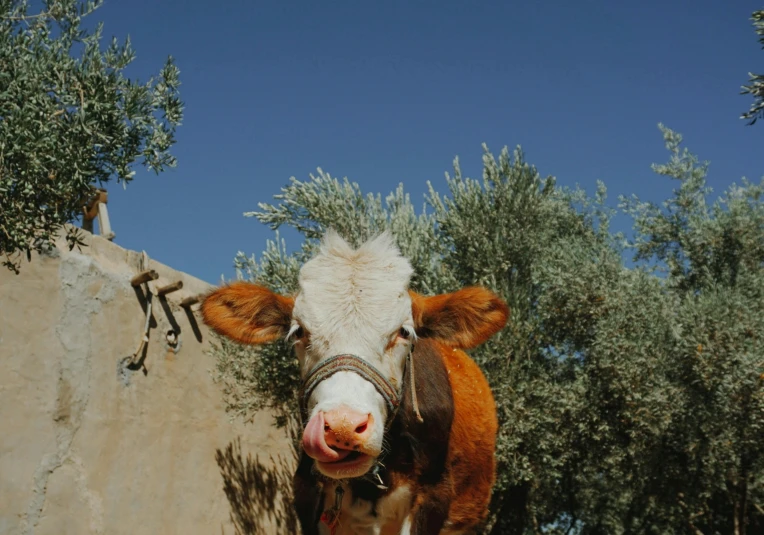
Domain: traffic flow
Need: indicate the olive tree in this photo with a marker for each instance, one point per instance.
(70, 120)
(755, 86)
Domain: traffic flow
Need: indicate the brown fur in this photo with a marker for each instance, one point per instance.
(459, 490)
(463, 319)
(472, 441)
(248, 313)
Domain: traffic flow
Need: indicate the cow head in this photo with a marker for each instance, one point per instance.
(357, 302)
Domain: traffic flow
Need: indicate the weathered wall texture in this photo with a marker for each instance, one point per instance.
(88, 446)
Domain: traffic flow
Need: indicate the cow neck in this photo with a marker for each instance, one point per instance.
(354, 363)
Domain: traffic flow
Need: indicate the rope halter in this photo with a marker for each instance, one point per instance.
(353, 363)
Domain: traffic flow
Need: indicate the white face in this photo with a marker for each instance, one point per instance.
(354, 302)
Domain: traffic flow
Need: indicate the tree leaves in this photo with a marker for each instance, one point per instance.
(755, 85)
(70, 120)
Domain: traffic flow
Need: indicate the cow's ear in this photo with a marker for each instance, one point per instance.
(248, 313)
(461, 319)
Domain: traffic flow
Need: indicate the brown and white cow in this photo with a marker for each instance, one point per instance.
(377, 459)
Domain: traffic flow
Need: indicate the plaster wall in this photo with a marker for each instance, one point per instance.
(89, 445)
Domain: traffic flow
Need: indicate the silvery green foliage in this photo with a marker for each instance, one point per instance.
(714, 281)
(69, 120)
(630, 400)
(266, 376)
(323, 202)
(696, 244)
(755, 85)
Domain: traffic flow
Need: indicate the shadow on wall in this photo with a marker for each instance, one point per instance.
(257, 493)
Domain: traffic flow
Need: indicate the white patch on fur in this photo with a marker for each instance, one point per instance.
(406, 527)
(354, 301)
(396, 506)
(393, 510)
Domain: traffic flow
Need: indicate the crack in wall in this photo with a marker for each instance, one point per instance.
(92, 499)
(85, 288)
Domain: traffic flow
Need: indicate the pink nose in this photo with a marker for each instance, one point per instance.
(346, 429)
(332, 436)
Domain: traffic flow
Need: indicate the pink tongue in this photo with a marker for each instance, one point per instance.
(314, 443)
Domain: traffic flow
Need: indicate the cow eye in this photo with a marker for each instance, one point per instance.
(403, 333)
(296, 334)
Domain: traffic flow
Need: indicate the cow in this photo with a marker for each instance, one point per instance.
(399, 423)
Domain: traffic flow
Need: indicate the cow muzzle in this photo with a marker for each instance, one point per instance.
(339, 439)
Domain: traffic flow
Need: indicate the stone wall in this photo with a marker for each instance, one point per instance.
(92, 445)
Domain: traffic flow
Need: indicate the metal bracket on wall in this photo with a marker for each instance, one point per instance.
(147, 279)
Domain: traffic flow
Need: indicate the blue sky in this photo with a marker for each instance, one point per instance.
(390, 92)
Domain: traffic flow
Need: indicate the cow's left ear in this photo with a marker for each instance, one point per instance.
(461, 319)
(248, 313)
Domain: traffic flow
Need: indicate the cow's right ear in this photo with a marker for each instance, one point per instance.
(248, 313)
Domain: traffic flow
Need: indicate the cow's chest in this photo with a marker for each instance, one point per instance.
(385, 516)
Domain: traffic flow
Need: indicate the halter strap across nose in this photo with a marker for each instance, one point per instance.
(350, 363)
